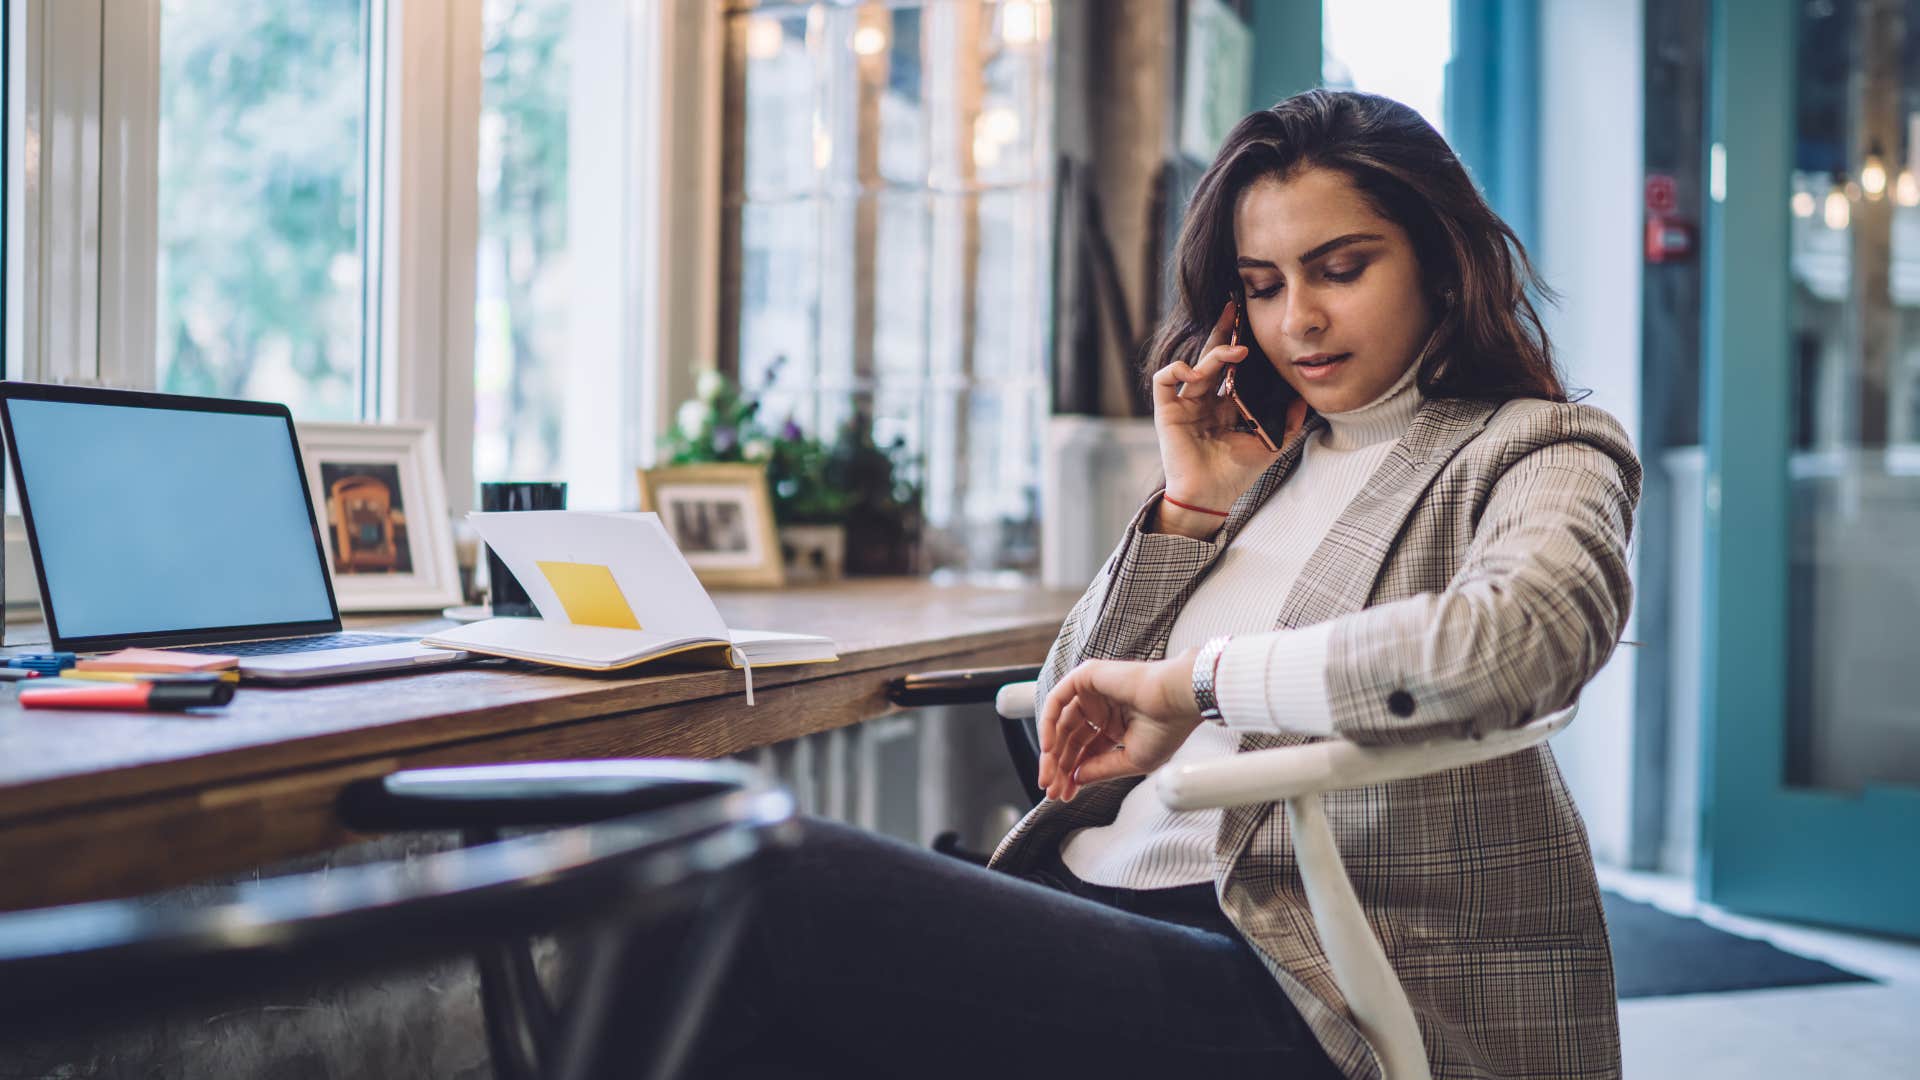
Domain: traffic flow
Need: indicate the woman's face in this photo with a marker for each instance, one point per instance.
(1333, 289)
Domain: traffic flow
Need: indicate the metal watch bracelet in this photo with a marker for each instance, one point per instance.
(1206, 669)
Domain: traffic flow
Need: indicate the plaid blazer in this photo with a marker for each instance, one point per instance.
(1479, 579)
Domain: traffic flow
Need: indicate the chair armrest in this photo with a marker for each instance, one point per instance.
(1011, 691)
(538, 793)
(1292, 771)
(962, 686)
(1015, 701)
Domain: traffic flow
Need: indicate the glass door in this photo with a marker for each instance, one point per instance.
(1811, 417)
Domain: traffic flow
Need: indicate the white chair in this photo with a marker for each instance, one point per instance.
(1297, 775)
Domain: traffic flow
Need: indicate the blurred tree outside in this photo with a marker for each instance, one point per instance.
(262, 132)
(263, 150)
(522, 295)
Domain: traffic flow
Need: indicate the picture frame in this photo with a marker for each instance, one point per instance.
(721, 518)
(1219, 77)
(381, 503)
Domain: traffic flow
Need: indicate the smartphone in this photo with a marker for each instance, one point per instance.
(1256, 388)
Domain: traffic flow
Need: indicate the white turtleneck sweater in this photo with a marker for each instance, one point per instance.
(1269, 680)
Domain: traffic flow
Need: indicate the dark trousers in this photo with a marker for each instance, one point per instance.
(867, 957)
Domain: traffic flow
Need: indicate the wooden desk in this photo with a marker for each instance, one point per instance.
(94, 805)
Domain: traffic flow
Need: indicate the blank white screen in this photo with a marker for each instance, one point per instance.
(155, 520)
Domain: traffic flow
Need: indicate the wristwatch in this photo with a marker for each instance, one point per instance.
(1206, 669)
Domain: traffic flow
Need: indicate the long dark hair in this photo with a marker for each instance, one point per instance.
(1489, 343)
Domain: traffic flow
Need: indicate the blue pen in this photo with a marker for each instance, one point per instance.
(47, 663)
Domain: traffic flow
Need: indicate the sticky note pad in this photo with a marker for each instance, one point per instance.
(590, 595)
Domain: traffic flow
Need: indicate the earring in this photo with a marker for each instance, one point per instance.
(1446, 297)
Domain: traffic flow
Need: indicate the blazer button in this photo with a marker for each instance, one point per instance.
(1400, 703)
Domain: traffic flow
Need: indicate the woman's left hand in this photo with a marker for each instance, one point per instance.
(1112, 718)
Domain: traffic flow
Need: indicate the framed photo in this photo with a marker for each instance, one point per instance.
(1219, 77)
(382, 508)
(722, 519)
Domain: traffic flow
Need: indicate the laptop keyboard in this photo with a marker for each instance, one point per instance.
(293, 645)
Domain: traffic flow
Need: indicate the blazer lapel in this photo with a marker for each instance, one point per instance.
(1339, 577)
(1139, 631)
(1136, 625)
(1252, 499)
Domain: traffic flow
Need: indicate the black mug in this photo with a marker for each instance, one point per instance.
(509, 598)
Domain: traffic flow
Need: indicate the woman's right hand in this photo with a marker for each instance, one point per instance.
(1205, 461)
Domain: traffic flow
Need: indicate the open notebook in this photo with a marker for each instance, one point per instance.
(613, 592)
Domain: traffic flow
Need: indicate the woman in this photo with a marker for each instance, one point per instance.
(1438, 548)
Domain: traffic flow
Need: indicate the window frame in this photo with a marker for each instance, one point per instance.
(59, 242)
(89, 257)
(432, 140)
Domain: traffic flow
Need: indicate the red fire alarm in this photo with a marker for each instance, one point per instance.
(1669, 236)
(1663, 194)
(1668, 239)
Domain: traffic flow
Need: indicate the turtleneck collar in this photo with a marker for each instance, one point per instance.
(1385, 417)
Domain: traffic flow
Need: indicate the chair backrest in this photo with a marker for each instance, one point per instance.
(1299, 776)
(129, 957)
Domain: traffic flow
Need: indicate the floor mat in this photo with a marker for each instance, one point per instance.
(1656, 954)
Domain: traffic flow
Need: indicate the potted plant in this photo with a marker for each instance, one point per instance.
(810, 508)
(883, 518)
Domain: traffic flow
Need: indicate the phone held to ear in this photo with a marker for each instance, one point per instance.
(1257, 389)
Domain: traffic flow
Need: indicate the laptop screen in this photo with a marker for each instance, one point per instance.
(167, 520)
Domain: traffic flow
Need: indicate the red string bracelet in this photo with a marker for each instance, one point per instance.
(1196, 509)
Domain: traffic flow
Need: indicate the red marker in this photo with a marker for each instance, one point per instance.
(151, 697)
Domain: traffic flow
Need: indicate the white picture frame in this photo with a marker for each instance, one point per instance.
(379, 488)
(720, 516)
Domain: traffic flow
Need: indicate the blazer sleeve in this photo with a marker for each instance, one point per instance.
(1532, 614)
(1109, 622)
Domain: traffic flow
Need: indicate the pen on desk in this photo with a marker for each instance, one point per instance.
(151, 696)
(14, 674)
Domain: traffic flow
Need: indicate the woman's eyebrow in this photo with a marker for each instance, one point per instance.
(1335, 244)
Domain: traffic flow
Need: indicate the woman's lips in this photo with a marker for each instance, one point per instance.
(1320, 367)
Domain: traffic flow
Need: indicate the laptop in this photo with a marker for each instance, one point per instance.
(160, 521)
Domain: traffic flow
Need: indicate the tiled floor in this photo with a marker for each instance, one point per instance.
(1843, 1032)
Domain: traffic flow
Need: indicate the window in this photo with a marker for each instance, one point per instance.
(1854, 471)
(559, 379)
(887, 196)
(520, 325)
(372, 210)
(1397, 48)
(267, 280)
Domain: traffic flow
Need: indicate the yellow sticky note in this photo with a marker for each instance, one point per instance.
(590, 595)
